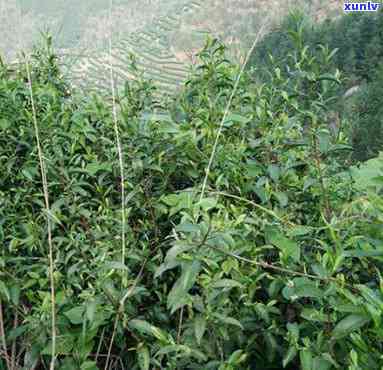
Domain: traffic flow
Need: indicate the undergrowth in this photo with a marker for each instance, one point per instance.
(277, 265)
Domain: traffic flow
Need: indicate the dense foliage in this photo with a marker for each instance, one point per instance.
(358, 39)
(274, 264)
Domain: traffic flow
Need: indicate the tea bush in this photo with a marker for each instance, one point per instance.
(275, 263)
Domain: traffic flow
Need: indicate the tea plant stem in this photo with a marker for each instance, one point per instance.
(2, 335)
(49, 226)
(270, 266)
(100, 344)
(112, 340)
(268, 211)
(208, 168)
(120, 311)
(180, 325)
(13, 350)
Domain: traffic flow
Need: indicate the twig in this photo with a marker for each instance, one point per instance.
(117, 135)
(180, 325)
(49, 226)
(2, 336)
(112, 340)
(268, 211)
(270, 266)
(13, 351)
(100, 344)
(122, 177)
(120, 311)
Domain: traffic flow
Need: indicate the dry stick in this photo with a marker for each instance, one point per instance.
(180, 325)
(49, 225)
(112, 340)
(208, 168)
(121, 163)
(100, 344)
(2, 337)
(13, 350)
(117, 134)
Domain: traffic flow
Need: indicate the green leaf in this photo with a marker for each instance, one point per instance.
(289, 356)
(143, 355)
(311, 314)
(306, 360)
(116, 265)
(91, 310)
(321, 364)
(274, 172)
(169, 128)
(299, 230)
(64, 345)
(207, 203)
(324, 141)
(14, 292)
(328, 77)
(348, 325)
(75, 315)
(4, 124)
(235, 118)
(227, 283)
(93, 168)
(29, 172)
(293, 328)
(171, 200)
(237, 357)
(89, 365)
(15, 333)
(4, 292)
(199, 327)
(187, 227)
(146, 328)
(361, 253)
(302, 288)
(253, 169)
(177, 297)
(228, 320)
(288, 247)
(282, 198)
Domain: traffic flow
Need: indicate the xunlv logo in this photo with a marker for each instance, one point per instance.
(361, 7)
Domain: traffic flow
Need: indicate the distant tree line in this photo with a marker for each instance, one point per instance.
(358, 39)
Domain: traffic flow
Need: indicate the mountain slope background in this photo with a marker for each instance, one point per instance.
(163, 35)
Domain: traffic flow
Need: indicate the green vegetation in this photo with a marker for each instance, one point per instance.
(358, 39)
(164, 35)
(244, 250)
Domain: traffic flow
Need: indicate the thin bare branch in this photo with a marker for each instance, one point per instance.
(49, 225)
(2, 338)
(228, 105)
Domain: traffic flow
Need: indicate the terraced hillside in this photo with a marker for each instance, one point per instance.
(153, 52)
(162, 35)
(165, 48)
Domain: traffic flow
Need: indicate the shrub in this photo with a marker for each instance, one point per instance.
(274, 263)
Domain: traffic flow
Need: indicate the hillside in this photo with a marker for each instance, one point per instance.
(163, 35)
